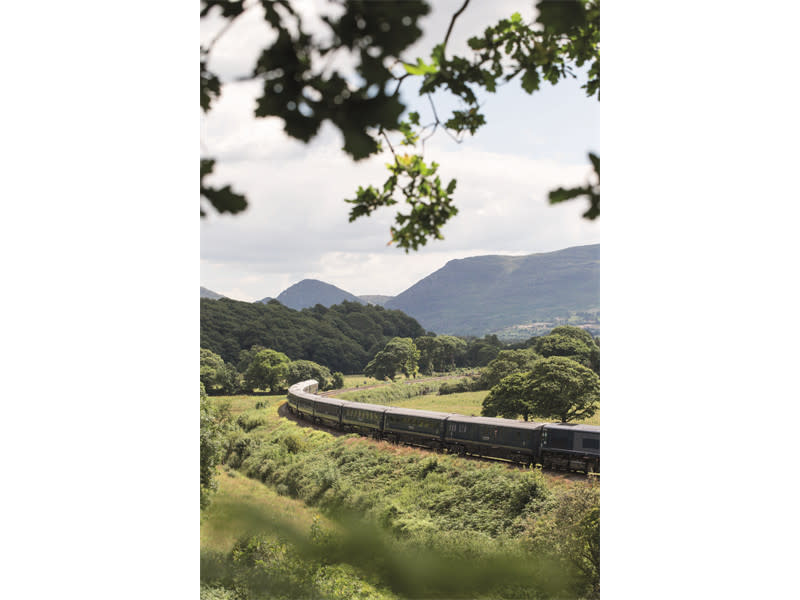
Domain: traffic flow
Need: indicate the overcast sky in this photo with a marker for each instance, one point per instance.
(296, 225)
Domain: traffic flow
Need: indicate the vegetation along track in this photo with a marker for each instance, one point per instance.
(307, 408)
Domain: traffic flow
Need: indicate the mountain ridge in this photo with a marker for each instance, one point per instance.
(489, 293)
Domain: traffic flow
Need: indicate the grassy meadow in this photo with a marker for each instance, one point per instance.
(301, 513)
(464, 403)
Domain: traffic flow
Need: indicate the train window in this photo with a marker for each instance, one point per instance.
(557, 438)
(462, 427)
(591, 443)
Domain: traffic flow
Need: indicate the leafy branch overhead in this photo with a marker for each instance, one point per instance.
(303, 86)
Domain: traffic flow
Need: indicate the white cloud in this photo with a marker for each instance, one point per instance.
(297, 223)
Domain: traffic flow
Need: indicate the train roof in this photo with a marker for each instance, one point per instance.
(495, 421)
(573, 427)
(414, 412)
(364, 405)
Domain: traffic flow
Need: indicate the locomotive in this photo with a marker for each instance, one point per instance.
(553, 445)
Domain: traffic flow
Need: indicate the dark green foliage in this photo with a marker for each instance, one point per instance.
(506, 363)
(563, 389)
(441, 353)
(481, 351)
(213, 428)
(569, 532)
(217, 376)
(304, 87)
(590, 190)
(507, 399)
(303, 370)
(570, 342)
(342, 338)
(223, 199)
(431, 203)
(468, 384)
(269, 369)
(338, 381)
(400, 355)
(555, 387)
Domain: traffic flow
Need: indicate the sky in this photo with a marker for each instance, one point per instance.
(296, 225)
(101, 245)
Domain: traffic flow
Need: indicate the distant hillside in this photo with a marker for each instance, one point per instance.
(207, 293)
(489, 294)
(343, 337)
(311, 292)
(264, 300)
(376, 299)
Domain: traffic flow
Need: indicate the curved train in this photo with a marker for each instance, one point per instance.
(552, 445)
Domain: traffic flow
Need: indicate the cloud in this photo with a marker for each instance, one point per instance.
(297, 223)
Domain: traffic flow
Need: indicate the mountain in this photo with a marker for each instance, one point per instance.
(207, 293)
(264, 300)
(495, 294)
(376, 299)
(310, 292)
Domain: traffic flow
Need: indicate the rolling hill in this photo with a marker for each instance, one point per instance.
(490, 294)
(207, 293)
(310, 292)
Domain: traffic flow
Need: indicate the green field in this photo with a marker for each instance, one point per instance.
(294, 503)
(465, 403)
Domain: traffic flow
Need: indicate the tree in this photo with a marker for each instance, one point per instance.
(400, 355)
(506, 399)
(562, 388)
(268, 370)
(480, 352)
(304, 87)
(213, 425)
(555, 387)
(216, 375)
(303, 370)
(570, 342)
(439, 353)
(506, 363)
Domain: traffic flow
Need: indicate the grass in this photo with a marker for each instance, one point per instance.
(223, 523)
(465, 403)
(351, 381)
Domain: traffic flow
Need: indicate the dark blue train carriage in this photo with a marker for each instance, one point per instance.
(423, 427)
(501, 438)
(570, 446)
(363, 418)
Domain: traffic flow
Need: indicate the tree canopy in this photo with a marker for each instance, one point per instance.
(213, 426)
(554, 388)
(571, 342)
(216, 375)
(440, 353)
(400, 355)
(269, 369)
(506, 363)
(303, 87)
(343, 337)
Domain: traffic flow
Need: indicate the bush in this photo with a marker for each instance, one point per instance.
(460, 386)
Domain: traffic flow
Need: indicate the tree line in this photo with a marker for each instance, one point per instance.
(551, 376)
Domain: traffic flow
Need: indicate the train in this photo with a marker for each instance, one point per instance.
(564, 446)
